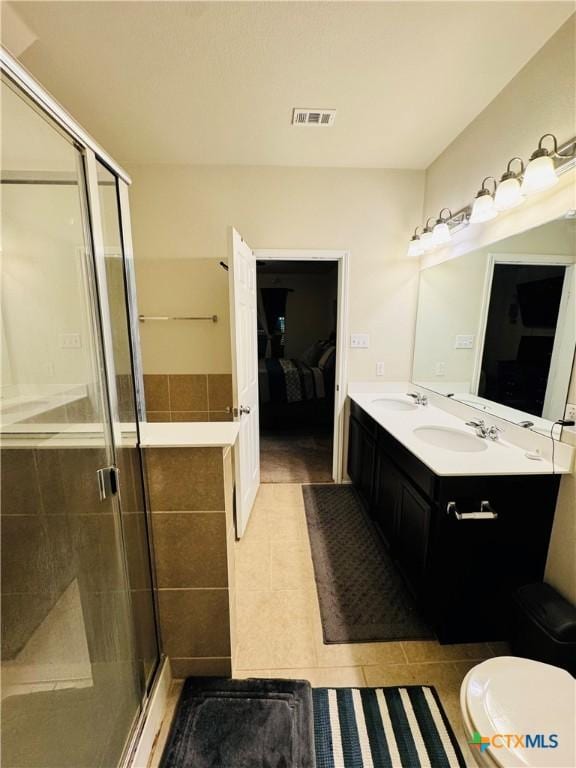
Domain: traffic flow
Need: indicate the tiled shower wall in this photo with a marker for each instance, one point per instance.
(188, 397)
(55, 530)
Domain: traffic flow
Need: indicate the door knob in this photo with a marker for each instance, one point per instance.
(244, 409)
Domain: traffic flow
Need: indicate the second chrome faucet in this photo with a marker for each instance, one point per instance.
(418, 398)
(483, 430)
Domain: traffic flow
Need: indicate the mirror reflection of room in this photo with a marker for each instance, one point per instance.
(496, 327)
(520, 332)
(297, 314)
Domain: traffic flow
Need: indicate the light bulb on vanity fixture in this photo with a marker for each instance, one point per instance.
(427, 238)
(441, 232)
(415, 248)
(540, 173)
(483, 208)
(509, 192)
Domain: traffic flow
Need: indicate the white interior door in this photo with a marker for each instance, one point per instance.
(243, 299)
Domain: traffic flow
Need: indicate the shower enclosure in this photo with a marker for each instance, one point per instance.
(79, 641)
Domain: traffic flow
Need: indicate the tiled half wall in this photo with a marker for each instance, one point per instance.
(190, 491)
(188, 397)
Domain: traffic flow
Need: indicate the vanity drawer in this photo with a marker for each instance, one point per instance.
(518, 494)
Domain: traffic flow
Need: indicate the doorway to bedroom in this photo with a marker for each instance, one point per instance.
(297, 332)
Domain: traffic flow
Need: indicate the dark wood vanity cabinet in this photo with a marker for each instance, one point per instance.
(462, 572)
(362, 455)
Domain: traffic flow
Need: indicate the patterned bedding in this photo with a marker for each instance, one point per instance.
(289, 381)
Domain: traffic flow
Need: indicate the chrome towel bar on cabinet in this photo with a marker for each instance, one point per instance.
(485, 513)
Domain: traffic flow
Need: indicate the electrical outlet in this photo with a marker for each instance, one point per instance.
(380, 367)
(69, 341)
(464, 341)
(360, 340)
(440, 369)
(570, 412)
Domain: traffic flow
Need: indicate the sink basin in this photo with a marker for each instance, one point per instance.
(394, 404)
(450, 439)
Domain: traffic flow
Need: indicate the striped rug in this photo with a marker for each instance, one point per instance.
(383, 728)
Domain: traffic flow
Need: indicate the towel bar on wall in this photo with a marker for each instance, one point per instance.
(145, 318)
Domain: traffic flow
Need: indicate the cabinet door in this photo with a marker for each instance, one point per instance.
(387, 491)
(361, 450)
(414, 514)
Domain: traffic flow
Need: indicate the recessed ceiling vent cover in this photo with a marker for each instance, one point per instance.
(321, 118)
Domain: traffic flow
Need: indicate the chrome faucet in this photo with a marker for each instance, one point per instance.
(483, 430)
(418, 398)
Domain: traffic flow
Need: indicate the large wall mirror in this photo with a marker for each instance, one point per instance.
(496, 327)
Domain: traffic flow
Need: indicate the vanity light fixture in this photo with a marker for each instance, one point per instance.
(426, 238)
(483, 208)
(509, 193)
(540, 172)
(441, 232)
(415, 248)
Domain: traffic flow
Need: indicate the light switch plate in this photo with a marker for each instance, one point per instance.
(360, 340)
(464, 341)
(69, 341)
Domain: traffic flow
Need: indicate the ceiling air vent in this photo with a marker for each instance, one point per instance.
(322, 118)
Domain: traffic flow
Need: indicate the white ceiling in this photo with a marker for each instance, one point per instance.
(215, 83)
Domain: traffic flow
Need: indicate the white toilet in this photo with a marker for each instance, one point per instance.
(510, 695)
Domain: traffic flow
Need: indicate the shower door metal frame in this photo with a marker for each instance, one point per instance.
(99, 252)
(91, 152)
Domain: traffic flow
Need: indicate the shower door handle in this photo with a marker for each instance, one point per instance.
(107, 478)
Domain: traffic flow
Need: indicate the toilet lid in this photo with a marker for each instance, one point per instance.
(519, 697)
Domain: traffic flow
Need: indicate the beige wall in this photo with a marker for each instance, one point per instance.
(182, 213)
(176, 286)
(540, 99)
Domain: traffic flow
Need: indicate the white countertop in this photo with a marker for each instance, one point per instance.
(184, 434)
(501, 457)
(189, 434)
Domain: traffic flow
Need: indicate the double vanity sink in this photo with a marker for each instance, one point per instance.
(465, 512)
(449, 445)
(447, 438)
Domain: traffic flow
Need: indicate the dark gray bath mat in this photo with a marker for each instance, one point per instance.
(252, 723)
(361, 594)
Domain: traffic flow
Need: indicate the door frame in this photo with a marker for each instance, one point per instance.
(529, 259)
(342, 258)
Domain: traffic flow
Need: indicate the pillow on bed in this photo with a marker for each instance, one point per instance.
(327, 358)
(311, 355)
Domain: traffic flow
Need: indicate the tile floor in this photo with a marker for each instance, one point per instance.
(279, 630)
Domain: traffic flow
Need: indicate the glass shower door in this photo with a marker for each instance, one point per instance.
(71, 689)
